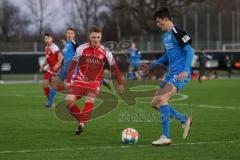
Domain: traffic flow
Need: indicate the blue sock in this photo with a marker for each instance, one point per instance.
(178, 116)
(165, 117)
(52, 94)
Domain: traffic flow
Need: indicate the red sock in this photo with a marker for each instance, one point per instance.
(86, 112)
(75, 111)
(46, 92)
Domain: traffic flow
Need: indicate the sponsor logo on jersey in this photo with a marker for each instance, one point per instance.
(168, 43)
(169, 37)
(186, 38)
(93, 61)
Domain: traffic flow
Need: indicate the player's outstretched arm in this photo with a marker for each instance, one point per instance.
(116, 71)
(118, 77)
(145, 68)
(163, 59)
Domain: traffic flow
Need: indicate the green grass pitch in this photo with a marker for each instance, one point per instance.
(30, 131)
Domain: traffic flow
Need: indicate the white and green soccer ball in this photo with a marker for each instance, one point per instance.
(130, 136)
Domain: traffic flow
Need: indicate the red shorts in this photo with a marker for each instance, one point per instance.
(48, 75)
(80, 89)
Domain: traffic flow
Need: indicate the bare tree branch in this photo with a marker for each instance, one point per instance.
(42, 14)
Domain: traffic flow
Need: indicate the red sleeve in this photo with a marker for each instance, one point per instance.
(58, 51)
(71, 71)
(117, 73)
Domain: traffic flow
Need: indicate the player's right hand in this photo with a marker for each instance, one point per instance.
(182, 76)
(55, 68)
(144, 67)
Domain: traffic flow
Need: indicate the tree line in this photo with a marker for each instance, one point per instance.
(119, 19)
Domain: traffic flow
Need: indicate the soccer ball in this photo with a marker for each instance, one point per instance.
(130, 136)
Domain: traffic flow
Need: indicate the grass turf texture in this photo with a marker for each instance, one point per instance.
(30, 131)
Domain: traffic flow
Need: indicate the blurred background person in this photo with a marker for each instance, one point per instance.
(134, 58)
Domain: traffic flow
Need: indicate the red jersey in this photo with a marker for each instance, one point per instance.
(51, 53)
(91, 62)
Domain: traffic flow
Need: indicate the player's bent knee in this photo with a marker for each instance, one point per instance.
(55, 82)
(45, 83)
(90, 98)
(68, 103)
(70, 99)
(157, 102)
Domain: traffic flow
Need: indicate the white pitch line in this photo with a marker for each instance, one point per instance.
(206, 106)
(182, 97)
(26, 95)
(154, 87)
(61, 95)
(200, 106)
(112, 147)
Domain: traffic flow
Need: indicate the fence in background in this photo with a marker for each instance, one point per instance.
(29, 62)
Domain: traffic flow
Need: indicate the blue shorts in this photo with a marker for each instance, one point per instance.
(174, 80)
(134, 65)
(63, 73)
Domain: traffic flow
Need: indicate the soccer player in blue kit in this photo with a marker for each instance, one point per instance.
(134, 64)
(178, 55)
(57, 82)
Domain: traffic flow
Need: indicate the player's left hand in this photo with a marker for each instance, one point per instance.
(63, 42)
(41, 69)
(55, 68)
(182, 76)
(120, 88)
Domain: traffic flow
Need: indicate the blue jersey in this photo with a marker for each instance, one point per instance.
(178, 55)
(175, 54)
(134, 55)
(69, 51)
(178, 52)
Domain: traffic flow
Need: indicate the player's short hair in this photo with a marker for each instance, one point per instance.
(71, 29)
(47, 35)
(94, 29)
(162, 13)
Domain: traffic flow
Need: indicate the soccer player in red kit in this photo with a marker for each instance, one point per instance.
(53, 58)
(89, 60)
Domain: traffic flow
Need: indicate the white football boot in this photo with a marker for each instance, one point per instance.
(163, 140)
(186, 127)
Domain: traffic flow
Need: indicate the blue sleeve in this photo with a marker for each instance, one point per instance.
(189, 57)
(159, 61)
